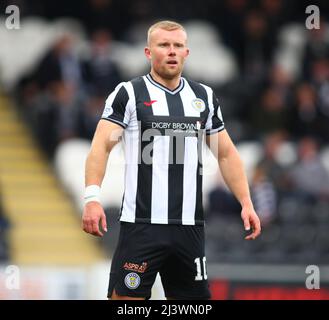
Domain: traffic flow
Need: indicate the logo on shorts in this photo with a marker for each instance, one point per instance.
(132, 280)
(198, 105)
(135, 267)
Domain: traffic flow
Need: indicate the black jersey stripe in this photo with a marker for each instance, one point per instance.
(199, 214)
(175, 105)
(175, 181)
(144, 175)
(176, 162)
(216, 121)
(119, 105)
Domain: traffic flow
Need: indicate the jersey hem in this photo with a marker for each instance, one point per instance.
(212, 131)
(123, 125)
(169, 221)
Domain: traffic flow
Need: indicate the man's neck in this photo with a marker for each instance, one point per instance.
(171, 84)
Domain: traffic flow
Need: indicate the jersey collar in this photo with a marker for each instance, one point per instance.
(159, 85)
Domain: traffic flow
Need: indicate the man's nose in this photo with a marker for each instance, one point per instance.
(172, 50)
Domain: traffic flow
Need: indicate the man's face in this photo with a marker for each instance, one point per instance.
(167, 52)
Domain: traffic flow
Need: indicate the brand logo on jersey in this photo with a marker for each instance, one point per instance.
(107, 112)
(198, 104)
(132, 280)
(135, 267)
(149, 103)
(177, 126)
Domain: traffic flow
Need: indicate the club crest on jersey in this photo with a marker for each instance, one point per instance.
(198, 105)
(132, 280)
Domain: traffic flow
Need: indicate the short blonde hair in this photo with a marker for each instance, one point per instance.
(165, 25)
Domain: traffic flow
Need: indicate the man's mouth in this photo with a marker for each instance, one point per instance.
(172, 62)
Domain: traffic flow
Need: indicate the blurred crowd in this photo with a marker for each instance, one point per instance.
(287, 113)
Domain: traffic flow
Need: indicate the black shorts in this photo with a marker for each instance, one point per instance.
(177, 252)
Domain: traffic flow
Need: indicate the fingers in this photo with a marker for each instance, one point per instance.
(91, 226)
(256, 229)
(94, 216)
(95, 229)
(103, 223)
(246, 223)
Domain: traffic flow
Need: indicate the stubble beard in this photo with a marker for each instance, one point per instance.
(168, 74)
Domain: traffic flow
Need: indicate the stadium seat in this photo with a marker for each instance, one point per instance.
(20, 57)
(251, 153)
(286, 154)
(69, 162)
(322, 242)
(289, 54)
(324, 156)
(216, 61)
(320, 213)
(291, 212)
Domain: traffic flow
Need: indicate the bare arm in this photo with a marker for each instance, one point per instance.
(234, 175)
(105, 138)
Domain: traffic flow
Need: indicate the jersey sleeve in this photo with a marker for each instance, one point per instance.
(215, 122)
(117, 106)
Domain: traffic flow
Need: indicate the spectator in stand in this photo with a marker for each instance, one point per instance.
(320, 80)
(56, 112)
(271, 114)
(307, 119)
(60, 64)
(264, 195)
(230, 23)
(273, 170)
(100, 71)
(89, 114)
(257, 47)
(282, 82)
(316, 48)
(103, 14)
(310, 178)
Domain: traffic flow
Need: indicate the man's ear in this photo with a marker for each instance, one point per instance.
(147, 53)
(187, 52)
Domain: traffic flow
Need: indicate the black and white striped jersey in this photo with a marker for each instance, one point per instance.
(163, 138)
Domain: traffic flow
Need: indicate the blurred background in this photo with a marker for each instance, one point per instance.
(271, 75)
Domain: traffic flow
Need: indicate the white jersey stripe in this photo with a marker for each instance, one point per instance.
(190, 180)
(131, 138)
(159, 212)
(159, 107)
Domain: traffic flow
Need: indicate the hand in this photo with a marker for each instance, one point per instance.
(93, 213)
(250, 219)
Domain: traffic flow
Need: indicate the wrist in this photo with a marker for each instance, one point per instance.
(92, 193)
(246, 203)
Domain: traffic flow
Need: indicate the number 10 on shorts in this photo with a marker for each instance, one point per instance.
(199, 276)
